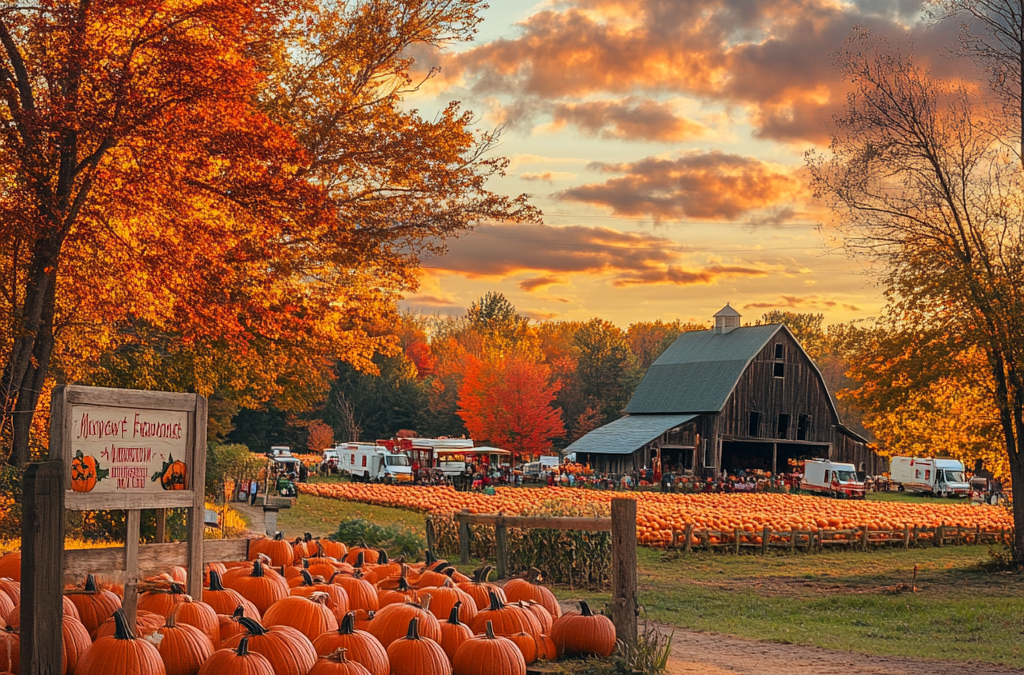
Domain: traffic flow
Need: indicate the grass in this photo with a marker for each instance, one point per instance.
(846, 600)
(896, 496)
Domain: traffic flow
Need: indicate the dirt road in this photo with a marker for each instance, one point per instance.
(705, 654)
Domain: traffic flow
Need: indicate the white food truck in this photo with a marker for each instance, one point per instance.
(369, 462)
(943, 477)
(832, 478)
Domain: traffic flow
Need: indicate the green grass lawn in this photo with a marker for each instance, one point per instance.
(839, 600)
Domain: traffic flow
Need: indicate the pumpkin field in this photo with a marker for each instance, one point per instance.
(659, 514)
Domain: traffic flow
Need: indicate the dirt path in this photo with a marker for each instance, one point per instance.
(255, 515)
(696, 653)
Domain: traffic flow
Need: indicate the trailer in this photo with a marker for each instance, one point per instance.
(833, 479)
(924, 475)
(369, 462)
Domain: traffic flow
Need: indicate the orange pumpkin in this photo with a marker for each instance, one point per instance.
(530, 588)
(392, 622)
(289, 651)
(337, 664)
(121, 653)
(360, 646)
(173, 475)
(85, 472)
(416, 655)
(94, 606)
(583, 633)
(489, 654)
(239, 661)
(310, 616)
(454, 632)
(183, 648)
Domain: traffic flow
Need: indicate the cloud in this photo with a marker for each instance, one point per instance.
(539, 316)
(430, 301)
(769, 56)
(547, 176)
(629, 119)
(703, 185)
(801, 303)
(540, 283)
(684, 277)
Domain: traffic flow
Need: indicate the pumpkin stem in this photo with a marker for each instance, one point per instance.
(176, 588)
(453, 616)
(90, 584)
(334, 574)
(403, 585)
(257, 569)
(305, 563)
(307, 580)
(122, 631)
(252, 626)
(449, 572)
(338, 656)
(490, 631)
(442, 566)
(170, 622)
(533, 576)
(243, 647)
(320, 552)
(430, 559)
(320, 598)
(308, 536)
(414, 633)
(585, 609)
(359, 560)
(382, 557)
(215, 584)
(238, 613)
(348, 624)
(495, 602)
(279, 536)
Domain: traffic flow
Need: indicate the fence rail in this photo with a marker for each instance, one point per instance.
(858, 538)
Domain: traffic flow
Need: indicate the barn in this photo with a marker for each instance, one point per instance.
(734, 397)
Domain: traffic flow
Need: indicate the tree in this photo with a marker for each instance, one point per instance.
(807, 328)
(507, 399)
(320, 436)
(649, 339)
(924, 178)
(381, 404)
(238, 179)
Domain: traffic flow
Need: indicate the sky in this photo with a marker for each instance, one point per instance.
(664, 141)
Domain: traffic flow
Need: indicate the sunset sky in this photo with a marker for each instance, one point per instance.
(664, 142)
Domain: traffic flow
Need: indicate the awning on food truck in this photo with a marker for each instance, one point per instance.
(487, 450)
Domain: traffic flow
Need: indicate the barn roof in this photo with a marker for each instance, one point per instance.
(698, 372)
(626, 434)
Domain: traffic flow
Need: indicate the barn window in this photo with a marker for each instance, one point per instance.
(780, 351)
(780, 369)
(754, 424)
(801, 427)
(783, 426)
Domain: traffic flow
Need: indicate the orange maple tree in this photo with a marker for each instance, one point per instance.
(507, 399)
(219, 195)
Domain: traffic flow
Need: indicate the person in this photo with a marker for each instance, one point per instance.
(303, 473)
(551, 478)
(253, 487)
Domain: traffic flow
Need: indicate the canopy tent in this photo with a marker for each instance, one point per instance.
(488, 450)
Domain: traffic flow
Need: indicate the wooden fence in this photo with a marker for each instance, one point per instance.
(859, 538)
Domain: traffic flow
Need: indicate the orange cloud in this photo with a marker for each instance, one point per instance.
(801, 303)
(540, 283)
(547, 176)
(707, 185)
(630, 119)
(684, 277)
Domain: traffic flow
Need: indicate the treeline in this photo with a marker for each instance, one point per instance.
(492, 374)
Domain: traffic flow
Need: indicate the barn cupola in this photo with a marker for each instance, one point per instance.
(727, 320)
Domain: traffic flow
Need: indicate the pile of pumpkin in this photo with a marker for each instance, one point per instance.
(317, 608)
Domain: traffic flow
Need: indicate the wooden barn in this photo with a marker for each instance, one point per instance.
(735, 397)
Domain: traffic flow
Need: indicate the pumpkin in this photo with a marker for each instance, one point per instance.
(276, 548)
(310, 616)
(488, 654)
(338, 664)
(401, 593)
(183, 648)
(10, 650)
(228, 624)
(416, 655)
(527, 646)
(362, 555)
(334, 549)
(260, 588)
(94, 606)
(146, 623)
(75, 640)
(363, 619)
(360, 646)
(289, 651)
(85, 472)
(542, 615)
(239, 661)
(200, 615)
(454, 632)
(7, 608)
(12, 589)
(226, 600)
(505, 619)
(121, 652)
(479, 589)
(546, 649)
(392, 622)
(530, 588)
(337, 598)
(361, 593)
(583, 633)
(10, 566)
(218, 567)
(444, 597)
(162, 601)
(173, 475)
(13, 617)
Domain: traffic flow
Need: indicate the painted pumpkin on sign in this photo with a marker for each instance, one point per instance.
(173, 474)
(85, 472)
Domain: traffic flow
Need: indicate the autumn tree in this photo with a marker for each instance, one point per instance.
(648, 339)
(221, 192)
(319, 436)
(924, 177)
(506, 399)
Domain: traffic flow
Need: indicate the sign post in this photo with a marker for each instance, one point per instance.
(116, 450)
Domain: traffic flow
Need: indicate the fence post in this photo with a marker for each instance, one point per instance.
(864, 539)
(766, 534)
(736, 540)
(464, 541)
(906, 536)
(624, 602)
(42, 568)
(940, 532)
(431, 537)
(688, 546)
(501, 550)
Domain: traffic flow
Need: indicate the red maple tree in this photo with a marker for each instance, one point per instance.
(507, 400)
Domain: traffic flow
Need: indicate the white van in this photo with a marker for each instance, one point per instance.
(943, 477)
(832, 478)
(368, 462)
(544, 465)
